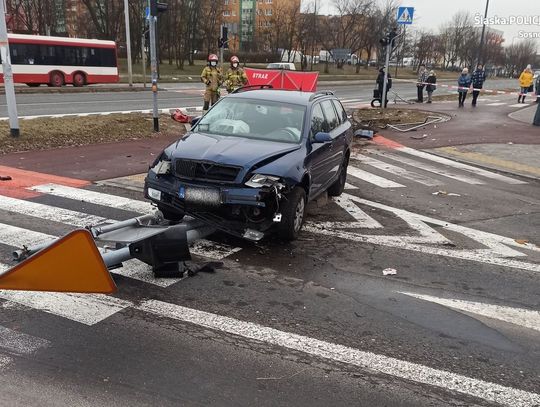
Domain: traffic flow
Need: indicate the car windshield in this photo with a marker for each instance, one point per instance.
(254, 119)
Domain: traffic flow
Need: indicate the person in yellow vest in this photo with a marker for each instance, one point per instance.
(235, 77)
(525, 83)
(212, 77)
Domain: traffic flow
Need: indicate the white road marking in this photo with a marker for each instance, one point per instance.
(431, 168)
(18, 237)
(212, 250)
(372, 178)
(350, 186)
(88, 309)
(497, 252)
(361, 219)
(393, 169)
(165, 110)
(492, 392)
(461, 166)
(48, 212)
(517, 316)
(138, 270)
(496, 104)
(97, 198)
(519, 105)
(19, 342)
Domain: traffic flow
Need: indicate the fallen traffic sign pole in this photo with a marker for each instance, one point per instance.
(74, 263)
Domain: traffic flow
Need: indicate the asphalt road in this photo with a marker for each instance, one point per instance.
(311, 323)
(182, 95)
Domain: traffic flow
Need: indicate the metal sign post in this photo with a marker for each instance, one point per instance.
(128, 43)
(153, 67)
(8, 74)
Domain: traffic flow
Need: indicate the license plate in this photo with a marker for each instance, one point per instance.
(200, 195)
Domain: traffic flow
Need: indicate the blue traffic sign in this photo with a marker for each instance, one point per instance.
(405, 15)
(147, 13)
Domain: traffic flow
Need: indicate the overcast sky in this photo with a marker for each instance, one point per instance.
(430, 14)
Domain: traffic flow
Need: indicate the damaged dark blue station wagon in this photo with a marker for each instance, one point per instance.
(252, 163)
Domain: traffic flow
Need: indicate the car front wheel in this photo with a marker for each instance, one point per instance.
(293, 210)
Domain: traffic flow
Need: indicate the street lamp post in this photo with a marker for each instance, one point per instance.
(8, 74)
(481, 47)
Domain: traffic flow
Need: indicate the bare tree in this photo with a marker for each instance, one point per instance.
(106, 16)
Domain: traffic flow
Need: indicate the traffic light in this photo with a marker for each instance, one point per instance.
(157, 7)
(389, 38)
(223, 41)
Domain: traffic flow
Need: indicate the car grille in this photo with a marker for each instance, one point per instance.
(205, 171)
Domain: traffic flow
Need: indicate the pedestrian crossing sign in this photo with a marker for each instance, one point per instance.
(405, 15)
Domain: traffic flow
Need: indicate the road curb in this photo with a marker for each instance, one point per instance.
(22, 90)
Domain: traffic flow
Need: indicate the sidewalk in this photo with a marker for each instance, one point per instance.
(497, 137)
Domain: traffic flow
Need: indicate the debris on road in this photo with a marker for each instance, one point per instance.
(389, 272)
(378, 118)
(423, 136)
(521, 241)
(445, 193)
(5, 178)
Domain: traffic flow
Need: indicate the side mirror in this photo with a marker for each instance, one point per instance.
(322, 137)
(195, 120)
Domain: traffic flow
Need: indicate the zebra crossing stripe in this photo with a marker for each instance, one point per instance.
(93, 197)
(430, 168)
(495, 104)
(48, 212)
(143, 272)
(212, 250)
(18, 237)
(88, 309)
(350, 186)
(393, 169)
(519, 105)
(344, 354)
(372, 178)
(461, 166)
(19, 342)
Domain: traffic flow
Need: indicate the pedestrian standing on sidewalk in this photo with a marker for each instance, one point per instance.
(420, 83)
(525, 83)
(430, 87)
(464, 83)
(380, 85)
(478, 78)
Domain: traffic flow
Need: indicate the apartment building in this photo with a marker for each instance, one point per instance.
(246, 18)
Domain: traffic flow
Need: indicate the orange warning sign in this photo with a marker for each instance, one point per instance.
(71, 264)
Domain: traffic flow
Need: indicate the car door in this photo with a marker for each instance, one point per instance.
(344, 133)
(337, 132)
(319, 156)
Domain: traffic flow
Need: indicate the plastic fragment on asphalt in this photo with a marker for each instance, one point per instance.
(521, 241)
(5, 178)
(389, 272)
(445, 193)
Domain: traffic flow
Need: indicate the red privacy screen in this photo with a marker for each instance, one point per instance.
(283, 79)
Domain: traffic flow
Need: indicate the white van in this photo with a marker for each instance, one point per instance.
(282, 65)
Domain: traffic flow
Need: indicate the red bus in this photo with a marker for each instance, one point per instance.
(57, 61)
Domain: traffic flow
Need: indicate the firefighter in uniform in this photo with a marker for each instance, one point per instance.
(236, 77)
(212, 77)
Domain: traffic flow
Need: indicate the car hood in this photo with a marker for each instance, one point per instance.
(237, 151)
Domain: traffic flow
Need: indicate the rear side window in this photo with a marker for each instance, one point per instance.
(340, 111)
(330, 114)
(318, 121)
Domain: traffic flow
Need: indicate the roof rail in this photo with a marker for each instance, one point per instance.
(251, 87)
(321, 93)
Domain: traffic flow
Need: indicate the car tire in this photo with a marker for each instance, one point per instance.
(293, 211)
(337, 188)
(170, 214)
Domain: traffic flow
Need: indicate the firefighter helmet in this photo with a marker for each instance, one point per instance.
(213, 57)
(234, 59)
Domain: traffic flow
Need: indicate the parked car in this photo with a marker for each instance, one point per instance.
(282, 65)
(251, 164)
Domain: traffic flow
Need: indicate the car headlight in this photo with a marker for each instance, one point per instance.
(162, 165)
(261, 180)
